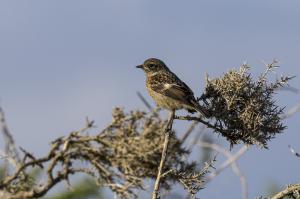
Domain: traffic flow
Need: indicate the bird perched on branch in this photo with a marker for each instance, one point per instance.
(167, 90)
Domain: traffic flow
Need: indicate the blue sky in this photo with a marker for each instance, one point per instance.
(63, 60)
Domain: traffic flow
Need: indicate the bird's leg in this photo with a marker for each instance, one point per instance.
(170, 122)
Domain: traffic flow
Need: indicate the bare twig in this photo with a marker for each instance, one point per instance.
(143, 99)
(291, 111)
(289, 190)
(168, 132)
(9, 140)
(189, 131)
(147, 104)
(231, 161)
(269, 67)
(12, 161)
(197, 137)
(289, 88)
(10, 148)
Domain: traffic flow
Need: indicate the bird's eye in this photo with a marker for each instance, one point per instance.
(151, 65)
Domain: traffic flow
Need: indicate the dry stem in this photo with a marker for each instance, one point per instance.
(168, 132)
(288, 191)
(231, 161)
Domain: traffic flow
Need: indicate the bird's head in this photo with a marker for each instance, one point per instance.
(153, 65)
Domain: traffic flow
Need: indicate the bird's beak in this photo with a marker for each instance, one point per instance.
(140, 66)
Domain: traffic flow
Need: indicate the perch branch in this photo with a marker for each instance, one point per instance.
(198, 119)
(168, 132)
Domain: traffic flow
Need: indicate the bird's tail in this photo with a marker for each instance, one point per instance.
(205, 112)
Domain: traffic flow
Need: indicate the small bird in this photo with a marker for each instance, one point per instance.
(167, 90)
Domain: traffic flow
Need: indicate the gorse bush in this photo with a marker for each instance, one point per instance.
(244, 109)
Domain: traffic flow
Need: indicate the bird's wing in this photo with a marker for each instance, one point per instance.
(170, 85)
(174, 91)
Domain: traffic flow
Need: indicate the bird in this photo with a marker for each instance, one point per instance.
(167, 90)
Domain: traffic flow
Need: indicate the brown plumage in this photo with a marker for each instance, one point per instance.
(167, 90)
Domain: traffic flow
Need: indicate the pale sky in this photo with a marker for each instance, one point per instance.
(63, 60)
